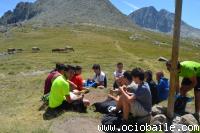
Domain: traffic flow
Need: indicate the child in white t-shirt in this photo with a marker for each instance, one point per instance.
(99, 80)
(117, 74)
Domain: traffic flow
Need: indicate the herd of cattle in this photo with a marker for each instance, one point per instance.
(37, 49)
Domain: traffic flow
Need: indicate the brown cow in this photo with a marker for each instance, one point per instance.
(63, 50)
(11, 51)
(19, 50)
(58, 50)
(35, 49)
(69, 49)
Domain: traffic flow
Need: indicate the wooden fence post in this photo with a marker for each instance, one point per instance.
(175, 54)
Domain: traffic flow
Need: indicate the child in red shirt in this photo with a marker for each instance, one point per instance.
(77, 79)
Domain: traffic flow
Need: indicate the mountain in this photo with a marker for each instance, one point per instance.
(23, 11)
(99, 12)
(150, 18)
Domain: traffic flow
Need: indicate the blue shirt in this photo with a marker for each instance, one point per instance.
(163, 89)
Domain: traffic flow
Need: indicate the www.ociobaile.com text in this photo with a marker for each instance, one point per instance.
(147, 127)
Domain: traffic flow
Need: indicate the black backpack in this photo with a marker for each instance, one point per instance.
(102, 107)
(112, 119)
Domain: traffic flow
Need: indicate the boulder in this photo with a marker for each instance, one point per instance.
(159, 119)
(188, 119)
(177, 119)
(157, 109)
(3, 29)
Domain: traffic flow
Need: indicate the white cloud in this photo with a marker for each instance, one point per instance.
(130, 5)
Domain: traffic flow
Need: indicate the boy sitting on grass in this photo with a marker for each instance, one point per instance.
(124, 80)
(99, 80)
(60, 96)
(78, 81)
(162, 86)
(139, 101)
(52, 76)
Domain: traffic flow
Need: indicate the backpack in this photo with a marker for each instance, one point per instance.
(103, 107)
(112, 119)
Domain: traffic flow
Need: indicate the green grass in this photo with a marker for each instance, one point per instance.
(20, 95)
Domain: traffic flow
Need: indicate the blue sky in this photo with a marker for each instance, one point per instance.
(190, 7)
(190, 13)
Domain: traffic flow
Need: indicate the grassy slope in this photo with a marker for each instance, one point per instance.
(19, 95)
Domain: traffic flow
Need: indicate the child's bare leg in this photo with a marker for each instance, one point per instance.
(126, 108)
(120, 103)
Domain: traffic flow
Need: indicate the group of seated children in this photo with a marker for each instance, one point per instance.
(159, 91)
(133, 95)
(135, 91)
(65, 87)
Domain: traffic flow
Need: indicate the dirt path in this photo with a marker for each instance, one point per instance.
(76, 125)
(119, 48)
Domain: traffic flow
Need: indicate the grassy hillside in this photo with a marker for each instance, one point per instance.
(22, 75)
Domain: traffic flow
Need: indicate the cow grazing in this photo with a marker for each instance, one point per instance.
(62, 50)
(19, 50)
(58, 50)
(35, 49)
(11, 51)
(68, 48)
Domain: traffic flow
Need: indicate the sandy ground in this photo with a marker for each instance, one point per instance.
(96, 95)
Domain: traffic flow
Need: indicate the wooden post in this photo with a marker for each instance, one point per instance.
(175, 54)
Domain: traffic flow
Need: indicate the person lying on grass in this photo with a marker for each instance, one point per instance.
(138, 102)
(99, 80)
(78, 81)
(60, 95)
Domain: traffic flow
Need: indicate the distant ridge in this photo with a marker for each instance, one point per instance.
(149, 17)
